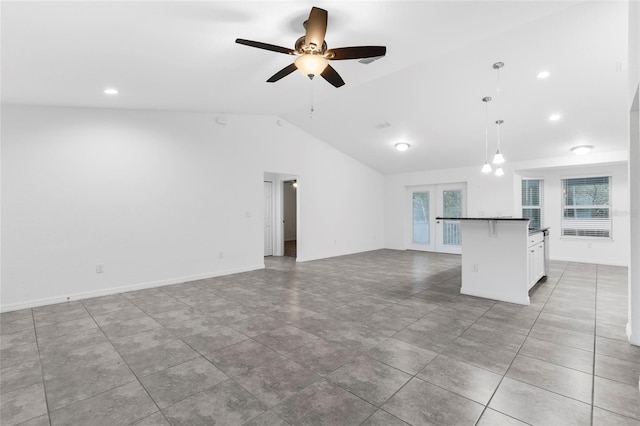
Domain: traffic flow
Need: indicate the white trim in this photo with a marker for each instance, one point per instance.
(123, 289)
(593, 261)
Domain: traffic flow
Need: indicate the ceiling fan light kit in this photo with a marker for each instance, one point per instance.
(312, 52)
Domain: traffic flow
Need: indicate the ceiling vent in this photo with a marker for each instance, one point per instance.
(383, 125)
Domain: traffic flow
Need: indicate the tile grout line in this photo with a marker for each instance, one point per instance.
(44, 386)
(593, 369)
(520, 348)
(128, 366)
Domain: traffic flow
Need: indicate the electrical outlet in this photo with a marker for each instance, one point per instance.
(99, 268)
(221, 255)
(476, 268)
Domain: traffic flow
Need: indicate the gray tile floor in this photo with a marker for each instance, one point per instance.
(378, 338)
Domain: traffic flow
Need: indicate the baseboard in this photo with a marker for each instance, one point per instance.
(494, 296)
(123, 289)
(592, 261)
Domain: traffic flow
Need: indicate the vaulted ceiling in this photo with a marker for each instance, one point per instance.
(426, 91)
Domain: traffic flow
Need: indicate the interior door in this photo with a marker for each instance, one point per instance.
(451, 202)
(268, 218)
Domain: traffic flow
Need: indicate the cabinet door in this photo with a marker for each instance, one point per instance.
(540, 272)
(531, 275)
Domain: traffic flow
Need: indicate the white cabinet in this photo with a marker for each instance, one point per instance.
(500, 260)
(535, 256)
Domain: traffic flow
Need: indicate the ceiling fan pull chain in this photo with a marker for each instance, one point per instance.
(311, 96)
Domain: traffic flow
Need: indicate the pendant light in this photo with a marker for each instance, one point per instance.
(498, 158)
(486, 168)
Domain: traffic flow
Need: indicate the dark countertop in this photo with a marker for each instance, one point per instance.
(481, 218)
(531, 231)
(537, 231)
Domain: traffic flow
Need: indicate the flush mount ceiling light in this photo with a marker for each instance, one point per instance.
(543, 74)
(110, 91)
(582, 149)
(486, 168)
(312, 51)
(555, 117)
(402, 146)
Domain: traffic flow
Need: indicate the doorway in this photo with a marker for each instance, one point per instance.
(268, 218)
(277, 186)
(289, 217)
(425, 232)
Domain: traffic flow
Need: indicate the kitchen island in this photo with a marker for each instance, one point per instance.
(502, 259)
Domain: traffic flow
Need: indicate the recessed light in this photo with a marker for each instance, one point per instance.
(582, 149)
(402, 146)
(110, 91)
(543, 74)
(555, 117)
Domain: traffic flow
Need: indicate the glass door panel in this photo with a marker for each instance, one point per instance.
(421, 217)
(452, 207)
(450, 202)
(420, 234)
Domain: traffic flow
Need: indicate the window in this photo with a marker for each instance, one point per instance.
(532, 202)
(586, 210)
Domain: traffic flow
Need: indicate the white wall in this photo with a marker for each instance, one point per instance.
(158, 196)
(488, 195)
(613, 251)
(633, 326)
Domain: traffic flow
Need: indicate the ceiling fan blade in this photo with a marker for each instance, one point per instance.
(356, 52)
(282, 73)
(332, 76)
(316, 27)
(266, 46)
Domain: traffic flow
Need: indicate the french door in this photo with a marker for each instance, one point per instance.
(425, 204)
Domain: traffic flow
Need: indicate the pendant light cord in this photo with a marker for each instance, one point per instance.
(486, 128)
(498, 101)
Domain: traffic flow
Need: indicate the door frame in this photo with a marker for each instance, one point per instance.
(273, 219)
(435, 210)
(278, 180)
(440, 188)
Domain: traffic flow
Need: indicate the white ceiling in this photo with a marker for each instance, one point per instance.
(182, 56)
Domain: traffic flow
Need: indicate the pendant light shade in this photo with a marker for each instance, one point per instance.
(499, 171)
(486, 168)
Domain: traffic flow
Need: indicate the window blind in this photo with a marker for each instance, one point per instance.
(532, 202)
(586, 207)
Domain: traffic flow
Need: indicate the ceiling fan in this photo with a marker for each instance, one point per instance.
(312, 51)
